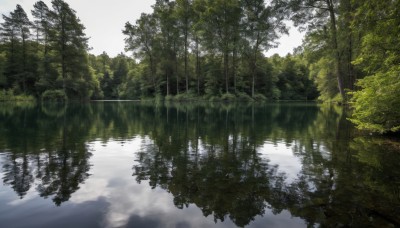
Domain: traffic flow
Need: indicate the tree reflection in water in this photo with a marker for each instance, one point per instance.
(211, 158)
(48, 150)
(210, 155)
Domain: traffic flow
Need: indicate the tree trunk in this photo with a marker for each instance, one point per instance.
(186, 61)
(166, 72)
(336, 49)
(152, 76)
(186, 31)
(226, 72)
(253, 82)
(63, 49)
(23, 63)
(176, 69)
(234, 65)
(197, 66)
(350, 70)
(254, 65)
(37, 39)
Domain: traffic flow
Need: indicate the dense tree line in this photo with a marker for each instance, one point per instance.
(215, 50)
(185, 48)
(48, 55)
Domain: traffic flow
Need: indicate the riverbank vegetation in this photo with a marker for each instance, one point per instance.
(215, 50)
(8, 95)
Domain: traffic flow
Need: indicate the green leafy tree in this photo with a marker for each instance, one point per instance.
(321, 65)
(219, 19)
(102, 64)
(41, 23)
(69, 43)
(47, 73)
(16, 32)
(293, 82)
(3, 60)
(184, 11)
(261, 25)
(332, 17)
(120, 73)
(169, 40)
(141, 40)
(377, 104)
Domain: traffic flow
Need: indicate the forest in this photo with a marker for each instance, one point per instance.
(215, 50)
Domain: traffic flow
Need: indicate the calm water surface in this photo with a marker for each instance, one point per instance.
(126, 164)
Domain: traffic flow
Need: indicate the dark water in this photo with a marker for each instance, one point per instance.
(126, 164)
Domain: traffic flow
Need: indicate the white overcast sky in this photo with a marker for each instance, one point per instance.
(105, 19)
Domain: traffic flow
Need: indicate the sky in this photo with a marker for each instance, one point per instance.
(105, 19)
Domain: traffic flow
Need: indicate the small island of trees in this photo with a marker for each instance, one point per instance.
(215, 50)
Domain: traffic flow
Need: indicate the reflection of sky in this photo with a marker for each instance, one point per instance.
(130, 202)
(111, 197)
(7, 196)
(282, 155)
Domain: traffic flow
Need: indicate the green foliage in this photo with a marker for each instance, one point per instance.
(377, 104)
(228, 97)
(54, 58)
(213, 50)
(8, 95)
(15, 32)
(331, 44)
(276, 93)
(185, 97)
(321, 64)
(214, 99)
(169, 98)
(3, 79)
(324, 78)
(240, 96)
(259, 97)
(211, 47)
(293, 81)
(54, 96)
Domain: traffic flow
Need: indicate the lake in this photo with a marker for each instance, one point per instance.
(129, 164)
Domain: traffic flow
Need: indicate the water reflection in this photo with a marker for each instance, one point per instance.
(214, 160)
(227, 164)
(46, 149)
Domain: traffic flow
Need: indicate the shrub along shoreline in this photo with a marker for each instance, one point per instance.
(8, 95)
